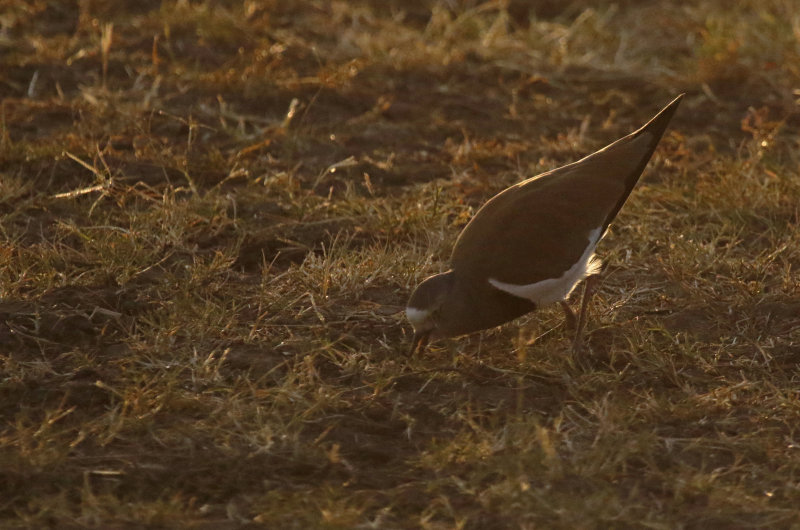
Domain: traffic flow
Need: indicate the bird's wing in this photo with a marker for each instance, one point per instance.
(540, 227)
(535, 233)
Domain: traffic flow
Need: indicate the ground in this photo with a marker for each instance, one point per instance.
(212, 213)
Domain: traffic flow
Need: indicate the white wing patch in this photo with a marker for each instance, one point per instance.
(417, 317)
(556, 289)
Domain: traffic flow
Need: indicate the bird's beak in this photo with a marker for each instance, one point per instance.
(419, 342)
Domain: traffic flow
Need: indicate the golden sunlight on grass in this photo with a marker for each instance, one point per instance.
(212, 214)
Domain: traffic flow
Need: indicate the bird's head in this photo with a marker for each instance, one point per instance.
(424, 309)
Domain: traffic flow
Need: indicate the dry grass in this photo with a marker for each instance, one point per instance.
(211, 214)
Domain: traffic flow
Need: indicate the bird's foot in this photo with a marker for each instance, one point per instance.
(578, 357)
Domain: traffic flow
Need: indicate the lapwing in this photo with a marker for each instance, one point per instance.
(532, 243)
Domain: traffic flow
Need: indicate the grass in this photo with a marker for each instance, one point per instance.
(212, 213)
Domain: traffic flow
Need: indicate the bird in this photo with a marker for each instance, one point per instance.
(531, 244)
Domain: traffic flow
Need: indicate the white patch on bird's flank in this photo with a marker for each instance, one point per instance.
(417, 317)
(556, 289)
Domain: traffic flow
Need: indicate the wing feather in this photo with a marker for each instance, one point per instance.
(540, 227)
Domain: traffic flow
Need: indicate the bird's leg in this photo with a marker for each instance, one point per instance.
(569, 315)
(418, 343)
(588, 291)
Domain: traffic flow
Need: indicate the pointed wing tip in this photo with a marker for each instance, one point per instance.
(676, 101)
(669, 108)
(658, 124)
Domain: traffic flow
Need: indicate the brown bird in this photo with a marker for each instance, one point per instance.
(532, 243)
